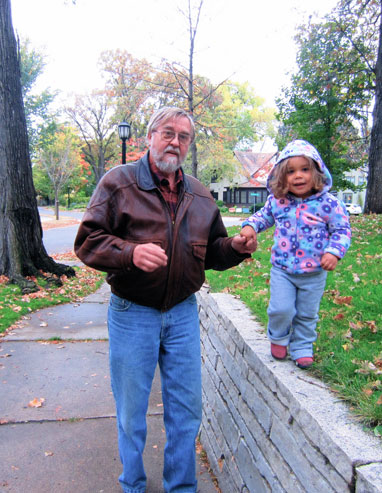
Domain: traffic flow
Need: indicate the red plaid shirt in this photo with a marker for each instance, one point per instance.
(170, 195)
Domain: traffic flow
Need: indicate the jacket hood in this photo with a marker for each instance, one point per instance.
(303, 148)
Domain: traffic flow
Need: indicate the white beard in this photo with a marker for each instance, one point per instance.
(169, 166)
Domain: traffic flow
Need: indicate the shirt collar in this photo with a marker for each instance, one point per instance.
(160, 178)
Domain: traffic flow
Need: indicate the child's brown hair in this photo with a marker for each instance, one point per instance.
(278, 181)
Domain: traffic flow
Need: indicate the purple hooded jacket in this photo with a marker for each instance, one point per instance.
(307, 228)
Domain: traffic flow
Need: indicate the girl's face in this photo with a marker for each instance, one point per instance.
(299, 177)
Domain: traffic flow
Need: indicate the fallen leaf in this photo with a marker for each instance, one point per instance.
(36, 402)
(356, 326)
(43, 324)
(343, 300)
(378, 361)
(340, 316)
(48, 453)
(379, 401)
(372, 326)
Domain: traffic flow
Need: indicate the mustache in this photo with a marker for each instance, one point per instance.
(172, 149)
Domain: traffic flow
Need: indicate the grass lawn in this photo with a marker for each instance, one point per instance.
(348, 351)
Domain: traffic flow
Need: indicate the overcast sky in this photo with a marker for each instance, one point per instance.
(245, 40)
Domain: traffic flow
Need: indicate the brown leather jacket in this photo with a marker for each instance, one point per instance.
(126, 209)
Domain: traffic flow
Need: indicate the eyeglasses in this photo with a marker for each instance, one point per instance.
(169, 135)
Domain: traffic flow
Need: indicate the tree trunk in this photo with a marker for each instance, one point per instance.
(56, 205)
(374, 181)
(21, 249)
(192, 33)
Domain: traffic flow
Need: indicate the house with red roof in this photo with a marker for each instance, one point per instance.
(249, 186)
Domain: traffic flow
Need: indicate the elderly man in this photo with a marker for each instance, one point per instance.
(155, 230)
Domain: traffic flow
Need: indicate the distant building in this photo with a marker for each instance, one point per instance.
(249, 185)
(357, 177)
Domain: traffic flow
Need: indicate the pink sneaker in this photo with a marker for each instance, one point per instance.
(304, 363)
(278, 352)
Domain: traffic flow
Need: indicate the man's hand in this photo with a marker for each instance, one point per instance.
(246, 242)
(149, 257)
(329, 261)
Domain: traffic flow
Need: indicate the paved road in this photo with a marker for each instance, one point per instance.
(60, 240)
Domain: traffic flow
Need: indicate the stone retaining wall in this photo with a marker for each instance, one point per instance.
(269, 426)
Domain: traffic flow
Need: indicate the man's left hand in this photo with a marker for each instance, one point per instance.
(243, 245)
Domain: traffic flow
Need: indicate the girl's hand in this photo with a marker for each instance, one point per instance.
(248, 238)
(329, 261)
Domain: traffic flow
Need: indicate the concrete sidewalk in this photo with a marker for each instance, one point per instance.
(69, 443)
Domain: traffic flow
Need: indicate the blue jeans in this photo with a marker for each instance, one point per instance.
(293, 310)
(140, 337)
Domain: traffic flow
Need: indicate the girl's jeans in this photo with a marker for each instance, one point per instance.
(139, 338)
(293, 310)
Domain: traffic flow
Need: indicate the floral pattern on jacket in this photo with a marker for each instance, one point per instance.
(307, 228)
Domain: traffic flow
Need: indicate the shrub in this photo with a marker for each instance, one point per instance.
(259, 206)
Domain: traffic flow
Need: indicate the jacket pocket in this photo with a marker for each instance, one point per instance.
(199, 250)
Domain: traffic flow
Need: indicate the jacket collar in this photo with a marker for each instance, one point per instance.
(145, 179)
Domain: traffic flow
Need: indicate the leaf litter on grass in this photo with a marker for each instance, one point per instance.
(349, 345)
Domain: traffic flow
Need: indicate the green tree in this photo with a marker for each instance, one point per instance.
(130, 87)
(59, 159)
(327, 98)
(233, 119)
(360, 21)
(37, 105)
(94, 116)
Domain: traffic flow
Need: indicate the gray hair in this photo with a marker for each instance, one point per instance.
(167, 113)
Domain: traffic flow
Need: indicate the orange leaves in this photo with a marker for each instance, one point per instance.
(337, 299)
(3, 280)
(372, 326)
(36, 402)
(367, 368)
(356, 325)
(26, 298)
(359, 325)
(378, 361)
(342, 300)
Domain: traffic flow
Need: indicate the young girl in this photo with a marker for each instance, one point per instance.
(312, 232)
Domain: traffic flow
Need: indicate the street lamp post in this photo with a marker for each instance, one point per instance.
(124, 134)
